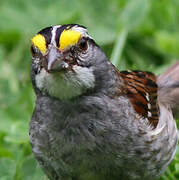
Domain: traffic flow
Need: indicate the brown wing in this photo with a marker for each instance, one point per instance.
(141, 89)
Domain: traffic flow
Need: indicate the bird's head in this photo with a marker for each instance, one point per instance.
(64, 61)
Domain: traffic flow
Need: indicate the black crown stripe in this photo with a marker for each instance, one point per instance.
(47, 33)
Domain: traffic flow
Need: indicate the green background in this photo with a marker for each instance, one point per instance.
(135, 34)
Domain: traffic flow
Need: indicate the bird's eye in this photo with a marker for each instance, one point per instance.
(83, 44)
(34, 50)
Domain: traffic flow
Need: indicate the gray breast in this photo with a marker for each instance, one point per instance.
(92, 139)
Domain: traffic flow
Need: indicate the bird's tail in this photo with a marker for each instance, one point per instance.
(168, 84)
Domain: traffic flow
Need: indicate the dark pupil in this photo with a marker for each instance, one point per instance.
(83, 44)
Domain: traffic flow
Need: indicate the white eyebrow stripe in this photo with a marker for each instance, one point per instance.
(82, 30)
(54, 35)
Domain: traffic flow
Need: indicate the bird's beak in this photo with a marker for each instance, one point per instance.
(54, 60)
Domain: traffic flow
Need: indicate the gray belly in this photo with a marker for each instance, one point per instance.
(90, 143)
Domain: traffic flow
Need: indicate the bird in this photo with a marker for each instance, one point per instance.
(92, 121)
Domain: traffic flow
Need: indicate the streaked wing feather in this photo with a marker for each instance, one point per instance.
(141, 89)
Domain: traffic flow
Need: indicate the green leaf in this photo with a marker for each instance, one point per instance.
(118, 47)
(134, 13)
(7, 169)
(31, 170)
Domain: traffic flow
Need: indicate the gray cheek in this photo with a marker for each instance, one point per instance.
(86, 59)
(40, 79)
(36, 65)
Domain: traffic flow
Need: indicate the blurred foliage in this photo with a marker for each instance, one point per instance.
(140, 34)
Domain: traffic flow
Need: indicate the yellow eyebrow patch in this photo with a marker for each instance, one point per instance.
(68, 37)
(40, 42)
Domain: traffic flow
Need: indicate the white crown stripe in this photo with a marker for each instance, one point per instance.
(54, 35)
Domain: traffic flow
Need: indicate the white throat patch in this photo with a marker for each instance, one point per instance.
(66, 85)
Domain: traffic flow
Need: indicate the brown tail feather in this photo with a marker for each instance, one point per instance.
(168, 84)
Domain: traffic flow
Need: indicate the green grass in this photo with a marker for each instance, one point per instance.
(140, 34)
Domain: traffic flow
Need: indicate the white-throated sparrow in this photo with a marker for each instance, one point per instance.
(92, 122)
